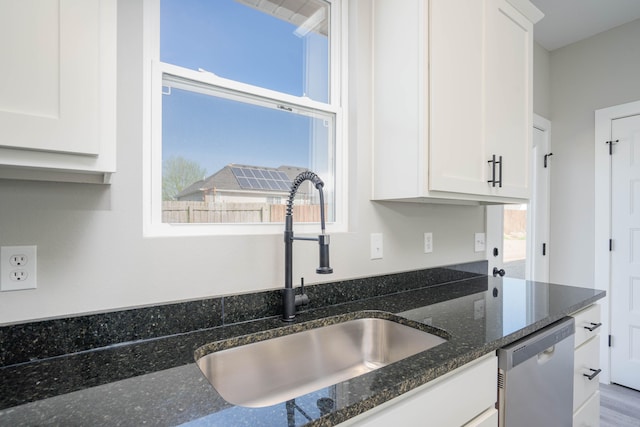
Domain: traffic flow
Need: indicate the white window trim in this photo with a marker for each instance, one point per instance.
(153, 71)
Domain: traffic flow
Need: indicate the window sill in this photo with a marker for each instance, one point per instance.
(192, 230)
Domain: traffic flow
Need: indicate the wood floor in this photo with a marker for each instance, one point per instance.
(619, 406)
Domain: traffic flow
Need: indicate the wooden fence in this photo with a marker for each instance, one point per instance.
(208, 212)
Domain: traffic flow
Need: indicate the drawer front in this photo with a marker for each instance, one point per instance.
(586, 362)
(587, 322)
(488, 418)
(589, 414)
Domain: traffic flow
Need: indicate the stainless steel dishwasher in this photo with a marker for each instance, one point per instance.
(535, 378)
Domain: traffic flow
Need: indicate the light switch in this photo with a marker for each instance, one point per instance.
(376, 245)
(480, 242)
(428, 243)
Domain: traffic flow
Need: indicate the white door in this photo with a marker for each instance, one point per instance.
(625, 254)
(495, 240)
(537, 266)
(520, 237)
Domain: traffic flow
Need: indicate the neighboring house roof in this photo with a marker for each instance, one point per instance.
(245, 178)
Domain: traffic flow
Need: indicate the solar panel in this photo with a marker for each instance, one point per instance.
(261, 179)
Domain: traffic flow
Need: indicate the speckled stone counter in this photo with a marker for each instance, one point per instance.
(154, 381)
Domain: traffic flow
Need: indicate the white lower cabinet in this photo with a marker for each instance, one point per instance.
(463, 397)
(586, 396)
(588, 415)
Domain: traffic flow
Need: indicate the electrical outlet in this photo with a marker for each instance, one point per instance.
(376, 245)
(18, 260)
(18, 275)
(18, 268)
(428, 243)
(480, 242)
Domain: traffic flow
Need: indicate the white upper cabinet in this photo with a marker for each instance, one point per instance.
(452, 100)
(58, 89)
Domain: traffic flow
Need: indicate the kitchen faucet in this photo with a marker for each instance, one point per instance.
(289, 299)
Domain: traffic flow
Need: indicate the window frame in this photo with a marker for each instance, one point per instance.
(154, 72)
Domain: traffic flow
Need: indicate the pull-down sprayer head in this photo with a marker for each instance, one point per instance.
(323, 239)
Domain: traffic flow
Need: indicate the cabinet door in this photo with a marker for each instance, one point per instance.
(481, 55)
(456, 143)
(57, 84)
(508, 88)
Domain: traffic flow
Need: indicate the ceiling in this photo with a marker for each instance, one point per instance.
(568, 21)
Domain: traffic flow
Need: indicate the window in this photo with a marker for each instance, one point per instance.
(246, 94)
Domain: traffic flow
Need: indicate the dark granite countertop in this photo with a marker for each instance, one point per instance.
(156, 382)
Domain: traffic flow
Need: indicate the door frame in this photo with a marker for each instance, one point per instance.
(602, 216)
(494, 226)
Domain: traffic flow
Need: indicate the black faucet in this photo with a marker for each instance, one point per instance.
(289, 299)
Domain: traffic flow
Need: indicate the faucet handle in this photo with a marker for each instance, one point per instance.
(302, 298)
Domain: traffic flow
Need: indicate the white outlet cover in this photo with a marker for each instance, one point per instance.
(428, 243)
(18, 268)
(480, 242)
(376, 245)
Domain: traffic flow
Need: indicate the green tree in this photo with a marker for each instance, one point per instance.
(177, 174)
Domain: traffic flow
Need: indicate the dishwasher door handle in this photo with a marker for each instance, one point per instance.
(546, 355)
(594, 373)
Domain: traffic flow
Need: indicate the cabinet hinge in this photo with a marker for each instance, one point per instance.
(544, 249)
(610, 340)
(610, 245)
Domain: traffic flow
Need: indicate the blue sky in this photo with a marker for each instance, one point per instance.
(240, 43)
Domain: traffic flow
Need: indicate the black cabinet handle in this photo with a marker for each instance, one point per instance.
(594, 373)
(593, 326)
(493, 181)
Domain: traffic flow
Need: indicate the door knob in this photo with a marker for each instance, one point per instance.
(497, 272)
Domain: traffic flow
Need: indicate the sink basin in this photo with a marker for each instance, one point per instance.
(275, 370)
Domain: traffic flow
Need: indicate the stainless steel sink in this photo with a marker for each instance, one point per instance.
(278, 369)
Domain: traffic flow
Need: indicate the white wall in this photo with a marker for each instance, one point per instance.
(541, 81)
(92, 256)
(598, 72)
